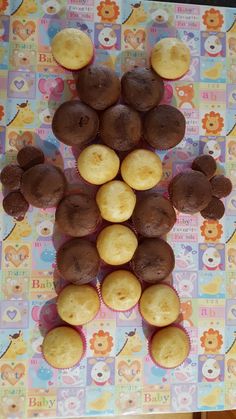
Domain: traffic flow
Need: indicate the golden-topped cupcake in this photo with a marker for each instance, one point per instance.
(121, 290)
(78, 304)
(160, 305)
(169, 347)
(141, 169)
(63, 347)
(98, 164)
(116, 201)
(116, 244)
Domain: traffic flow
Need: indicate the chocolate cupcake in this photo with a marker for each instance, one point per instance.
(77, 215)
(205, 164)
(15, 205)
(75, 123)
(164, 127)
(43, 186)
(221, 186)
(153, 215)
(78, 261)
(11, 177)
(190, 191)
(121, 127)
(98, 86)
(214, 210)
(29, 156)
(153, 260)
(142, 88)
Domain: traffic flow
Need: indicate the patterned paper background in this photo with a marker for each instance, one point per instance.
(205, 250)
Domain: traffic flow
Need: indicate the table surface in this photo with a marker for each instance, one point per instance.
(205, 252)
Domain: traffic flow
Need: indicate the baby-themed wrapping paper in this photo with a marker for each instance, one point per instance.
(117, 376)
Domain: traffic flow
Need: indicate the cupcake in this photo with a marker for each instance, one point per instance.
(78, 261)
(153, 260)
(169, 347)
(29, 156)
(221, 186)
(142, 88)
(98, 86)
(43, 185)
(77, 215)
(190, 191)
(121, 127)
(116, 244)
(214, 210)
(153, 215)
(159, 305)
(75, 124)
(15, 205)
(11, 177)
(97, 164)
(141, 169)
(164, 127)
(78, 304)
(71, 47)
(116, 201)
(121, 290)
(170, 58)
(63, 347)
(205, 164)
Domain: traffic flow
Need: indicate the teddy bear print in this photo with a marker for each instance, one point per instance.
(23, 60)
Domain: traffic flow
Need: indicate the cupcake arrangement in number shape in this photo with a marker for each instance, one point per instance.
(108, 125)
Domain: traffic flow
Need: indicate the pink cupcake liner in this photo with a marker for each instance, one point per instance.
(150, 341)
(84, 343)
(99, 297)
(139, 308)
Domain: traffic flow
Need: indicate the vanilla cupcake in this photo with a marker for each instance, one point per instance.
(78, 304)
(116, 201)
(141, 169)
(98, 164)
(63, 347)
(116, 244)
(159, 305)
(169, 347)
(121, 290)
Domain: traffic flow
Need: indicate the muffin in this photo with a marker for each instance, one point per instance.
(77, 215)
(169, 347)
(43, 186)
(170, 58)
(98, 86)
(153, 260)
(214, 210)
(11, 177)
(75, 124)
(121, 127)
(190, 191)
(164, 127)
(205, 164)
(221, 186)
(159, 305)
(153, 215)
(141, 169)
(29, 156)
(63, 347)
(72, 48)
(116, 201)
(98, 164)
(142, 88)
(116, 244)
(78, 261)
(121, 290)
(15, 205)
(78, 304)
